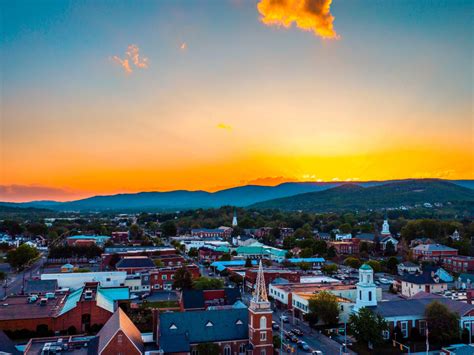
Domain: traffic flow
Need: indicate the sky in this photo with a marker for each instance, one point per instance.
(102, 97)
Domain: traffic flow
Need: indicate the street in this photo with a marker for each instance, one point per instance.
(15, 281)
(314, 339)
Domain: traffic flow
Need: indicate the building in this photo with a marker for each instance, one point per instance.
(222, 265)
(67, 268)
(388, 239)
(261, 251)
(455, 236)
(300, 306)
(408, 267)
(223, 233)
(135, 264)
(234, 219)
(347, 247)
(269, 275)
(163, 278)
(459, 264)
(120, 237)
(71, 345)
(366, 288)
(40, 287)
(87, 240)
(385, 232)
(341, 237)
(428, 281)
(316, 263)
(209, 255)
(76, 280)
(79, 310)
(120, 336)
(433, 252)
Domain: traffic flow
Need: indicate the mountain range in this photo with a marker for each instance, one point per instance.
(291, 195)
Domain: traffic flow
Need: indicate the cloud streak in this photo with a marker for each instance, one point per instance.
(132, 57)
(224, 126)
(308, 15)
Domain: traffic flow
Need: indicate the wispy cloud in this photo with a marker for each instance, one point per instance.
(132, 57)
(308, 15)
(224, 126)
(21, 193)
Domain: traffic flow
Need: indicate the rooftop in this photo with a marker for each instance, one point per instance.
(69, 345)
(17, 307)
(135, 262)
(433, 247)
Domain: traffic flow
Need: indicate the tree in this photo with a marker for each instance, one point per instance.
(390, 249)
(367, 327)
(276, 342)
(345, 228)
(305, 266)
(158, 263)
(225, 257)
(306, 253)
(331, 252)
(329, 269)
(183, 279)
(443, 324)
(207, 283)
(325, 306)
(135, 232)
(11, 227)
(392, 264)
(248, 262)
(37, 229)
(114, 259)
(169, 229)
(193, 252)
(208, 349)
(19, 257)
(352, 262)
(374, 264)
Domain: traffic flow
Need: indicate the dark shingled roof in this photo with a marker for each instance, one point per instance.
(135, 262)
(416, 307)
(41, 286)
(195, 298)
(422, 279)
(178, 329)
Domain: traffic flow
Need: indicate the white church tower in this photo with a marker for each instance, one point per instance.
(366, 288)
(385, 228)
(234, 219)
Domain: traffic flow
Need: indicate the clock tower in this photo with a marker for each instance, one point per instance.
(260, 318)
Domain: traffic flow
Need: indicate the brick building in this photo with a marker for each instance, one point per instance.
(163, 278)
(459, 263)
(433, 252)
(135, 264)
(346, 247)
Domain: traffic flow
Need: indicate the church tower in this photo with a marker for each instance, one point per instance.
(234, 219)
(366, 288)
(260, 318)
(385, 227)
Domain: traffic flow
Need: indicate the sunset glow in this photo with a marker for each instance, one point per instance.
(229, 93)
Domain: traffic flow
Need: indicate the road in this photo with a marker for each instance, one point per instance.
(314, 339)
(15, 281)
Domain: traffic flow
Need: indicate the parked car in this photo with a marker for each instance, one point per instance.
(275, 325)
(285, 319)
(317, 352)
(288, 335)
(294, 339)
(297, 331)
(303, 345)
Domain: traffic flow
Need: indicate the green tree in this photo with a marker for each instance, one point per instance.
(135, 232)
(276, 342)
(169, 229)
(325, 306)
(352, 262)
(183, 279)
(329, 269)
(345, 228)
(392, 264)
(305, 266)
(367, 327)
(37, 229)
(21, 256)
(331, 252)
(207, 283)
(208, 349)
(306, 253)
(374, 264)
(158, 263)
(193, 252)
(443, 324)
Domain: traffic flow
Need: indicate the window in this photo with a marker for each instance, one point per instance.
(370, 296)
(263, 336)
(227, 350)
(263, 352)
(242, 349)
(194, 352)
(173, 326)
(163, 277)
(360, 295)
(107, 279)
(119, 338)
(209, 324)
(263, 322)
(239, 322)
(422, 326)
(404, 328)
(386, 334)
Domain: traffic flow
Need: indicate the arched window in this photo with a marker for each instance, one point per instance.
(263, 322)
(370, 295)
(227, 350)
(242, 349)
(360, 295)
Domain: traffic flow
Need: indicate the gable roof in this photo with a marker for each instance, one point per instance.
(178, 330)
(119, 321)
(422, 279)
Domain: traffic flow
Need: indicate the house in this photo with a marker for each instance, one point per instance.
(408, 268)
(341, 237)
(433, 252)
(119, 237)
(243, 240)
(459, 263)
(455, 236)
(120, 336)
(135, 264)
(192, 300)
(163, 278)
(67, 268)
(428, 281)
(209, 254)
(465, 281)
(235, 329)
(269, 275)
(222, 232)
(419, 241)
(388, 239)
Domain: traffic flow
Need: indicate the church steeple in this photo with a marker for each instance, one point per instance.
(234, 219)
(260, 292)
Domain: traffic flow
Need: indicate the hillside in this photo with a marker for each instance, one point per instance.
(182, 199)
(353, 197)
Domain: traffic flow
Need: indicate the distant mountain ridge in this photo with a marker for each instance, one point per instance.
(242, 196)
(391, 195)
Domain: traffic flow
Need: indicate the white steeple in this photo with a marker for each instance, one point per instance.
(385, 227)
(366, 288)
(259, 298)
(234, 219)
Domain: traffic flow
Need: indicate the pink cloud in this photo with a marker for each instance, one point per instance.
(132, 57)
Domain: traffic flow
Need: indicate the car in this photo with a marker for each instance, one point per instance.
(275, 325)
(303, 345)
(285, 319)
(294, 339)
(317, 352)
(287, 335)
(297, 331)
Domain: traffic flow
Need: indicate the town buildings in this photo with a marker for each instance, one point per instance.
(459, 264)
(433, 252)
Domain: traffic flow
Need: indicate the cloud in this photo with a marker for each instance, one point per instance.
(269, 180)
(224, 126)
(183, 46)
(20, 193)
(132, 56)
(308, 15)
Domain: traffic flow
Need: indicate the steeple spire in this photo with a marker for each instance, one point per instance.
(234, 219)
(260, 292)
